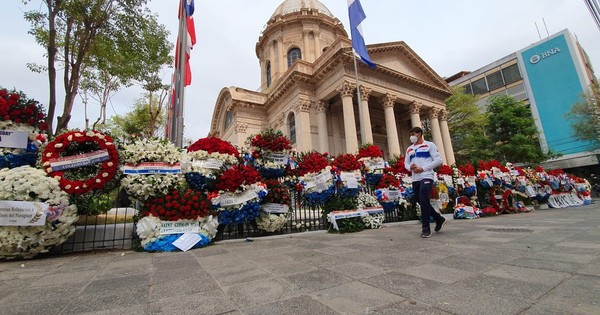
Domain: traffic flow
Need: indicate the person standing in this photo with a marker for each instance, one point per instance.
(420, 159)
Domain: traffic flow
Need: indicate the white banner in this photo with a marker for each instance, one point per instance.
(22, 213)
(79, 160)
(231, 199)
(278, 158)
(187, 241)
(13, 139)
(178, 227)
(374, 164)
(152, 168)
(275, 208)
(212, 164)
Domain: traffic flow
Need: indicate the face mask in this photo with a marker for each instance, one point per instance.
(413, 139)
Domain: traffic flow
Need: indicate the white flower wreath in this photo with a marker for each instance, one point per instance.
(30, 184)
(148, 228)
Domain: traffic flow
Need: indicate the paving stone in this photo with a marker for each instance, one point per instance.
(438, 273)
(205, 303)
(301, 305)
(357, 270)
(408, 307)
(546, 264)
(526, 274)
(403, 284)
(316, 280)
(355, 298)
(260, 292)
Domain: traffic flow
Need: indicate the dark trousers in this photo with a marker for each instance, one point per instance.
(422, 190)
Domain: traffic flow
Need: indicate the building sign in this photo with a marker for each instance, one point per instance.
(548, 53)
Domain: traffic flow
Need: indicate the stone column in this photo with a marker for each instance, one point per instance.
(336, 146)
(415, 110)
(306, 55)
(317, 44)
(390, 125)
(446, 137)
(303, 136)
(347, 91)
(435, 132)
(322, 126)
(365, 128)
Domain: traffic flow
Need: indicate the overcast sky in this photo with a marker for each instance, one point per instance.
(448, 35)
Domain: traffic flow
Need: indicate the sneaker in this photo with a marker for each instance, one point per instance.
(440, 224)
(426, 234)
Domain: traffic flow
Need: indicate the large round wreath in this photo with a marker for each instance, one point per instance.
(32, 185)
(81, 150)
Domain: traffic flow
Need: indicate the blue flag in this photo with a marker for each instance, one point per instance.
(357, 15)
(189, 7)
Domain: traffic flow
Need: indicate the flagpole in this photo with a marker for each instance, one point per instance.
(360, 112)
(177, 123)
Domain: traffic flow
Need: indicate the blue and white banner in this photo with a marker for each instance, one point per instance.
(79, 160)
(151, 168)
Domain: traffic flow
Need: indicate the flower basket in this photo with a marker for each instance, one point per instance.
(45, 216)
(205, 160)
(239, 196)
(372, 158)
(270, 153)
(275, 209)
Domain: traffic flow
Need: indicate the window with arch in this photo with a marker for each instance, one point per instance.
(228, 119)
(293, 55)
(292, 127)
(268, 73)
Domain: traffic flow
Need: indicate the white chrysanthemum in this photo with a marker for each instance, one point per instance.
(271, 222)
(153, 150)
(148, 228)
(29, 184)
(143, 187)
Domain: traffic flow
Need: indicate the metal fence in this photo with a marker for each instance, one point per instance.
(115, 229)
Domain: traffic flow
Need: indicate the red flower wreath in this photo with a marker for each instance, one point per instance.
(16, 107)
(388, 180)
(271, 140)
(81, 142)
(347, 162)
(189, 205)
(233, 178)
(445, 170)
(311, 163)
(369, 151)
(397, 167)
(467, 170)
(214, 144)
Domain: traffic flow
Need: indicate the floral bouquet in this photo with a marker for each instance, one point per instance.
(239, 194)
(315, 180)
(43, 216)
(275, 208)
(205, 160)
(82, 161)
(270, 153)
(372, 158)
(371, 219)
(22, 126)
(152, 168)
(347, 168)
(166, 219)
(389, 192)
(466, 181)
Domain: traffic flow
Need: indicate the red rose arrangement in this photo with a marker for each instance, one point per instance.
(347, 162)
(16, 107)
(237, 176)
(176, 205)
(387, 181)
(556, 172)
(278, 192)
(467, 170)
(369, 150)
(271, 140)
(311, 163)
(445, 170)
(212, 145)
(397, 167)
(97, 170)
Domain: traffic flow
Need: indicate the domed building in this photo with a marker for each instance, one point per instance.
(308, 89)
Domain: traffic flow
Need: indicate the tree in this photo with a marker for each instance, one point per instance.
(145, 120)
(512, 131)
(70, 29)
(585, 117)
(467, 124)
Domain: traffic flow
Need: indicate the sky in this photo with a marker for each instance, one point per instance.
(450, 36)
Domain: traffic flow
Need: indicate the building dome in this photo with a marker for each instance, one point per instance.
(290, 6)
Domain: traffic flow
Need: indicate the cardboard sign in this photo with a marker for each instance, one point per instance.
(22, 213)
(13, 139)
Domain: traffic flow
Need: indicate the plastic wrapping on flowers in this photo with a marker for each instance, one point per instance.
(149, 231)
(205, 160)
(30, 185)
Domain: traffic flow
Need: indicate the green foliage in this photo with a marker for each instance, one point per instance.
(94, 204)
(585, 117)
(467, 124)
(139, 122)
(512, 131)
(348, 225)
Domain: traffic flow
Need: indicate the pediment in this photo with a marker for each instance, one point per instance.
(399, 57)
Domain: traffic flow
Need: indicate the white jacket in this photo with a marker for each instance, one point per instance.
(424, 155)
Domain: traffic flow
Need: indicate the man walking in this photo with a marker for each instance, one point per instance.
(420, 159)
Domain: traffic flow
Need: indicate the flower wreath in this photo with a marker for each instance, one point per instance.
(72, 158)
(371, 221)
(389, 192)
(205, 160)
(347, 167)
(18, 113)
(147, 186)
(270, 153)
(314, 178)
(275, 207)
(149, 230)
(29, 184)
(374, 164)
(240, 192)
